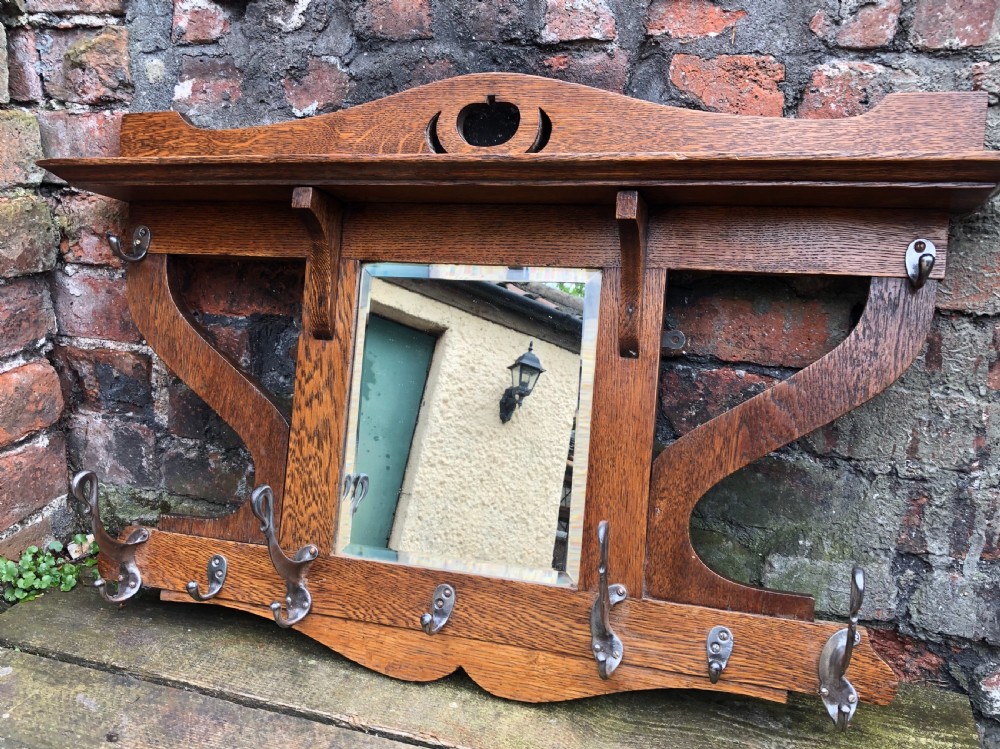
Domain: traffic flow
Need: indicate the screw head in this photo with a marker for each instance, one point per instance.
(723, 635)
(715, 647)
(616, 654)
(621, 590)
(597, 648)
(824, 691)
(852, 698)
(920, 246)
(447, 593)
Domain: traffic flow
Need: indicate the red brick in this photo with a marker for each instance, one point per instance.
(26, 314)
(199, 22)
(20, 147)
(691, 397)
(766, 329)
(690, 19)
(873, 25)
(110, 7)
(910, 659)
(85, 220)
(844, 89)
(30, 399)
(86, 66)
(397, 19)
(322, 89)
(38, 534)
(91, 304)
(28, 236)
(738, 84)
(952, 24)
(578, 19)
(78, 135)
(23, 79)
(607, 70)
(205, 473)
(31, 476)
(105, 379)
(206, 85)
(241, 287)
(912, 539)
(119, 451)
(428, 71)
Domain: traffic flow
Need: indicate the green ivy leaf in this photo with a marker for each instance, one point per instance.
(55, 546)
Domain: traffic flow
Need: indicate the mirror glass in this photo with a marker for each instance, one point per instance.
(469, 423)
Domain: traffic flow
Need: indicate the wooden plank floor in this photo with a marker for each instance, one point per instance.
(75, 671)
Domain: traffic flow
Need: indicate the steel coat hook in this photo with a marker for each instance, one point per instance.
(719, 646)
(141, 237)
(920, 257)
(129, 580)
(355, 488)
(839, 695)
(607, 646)
(442, 604)
(217, 568)
(293, 570)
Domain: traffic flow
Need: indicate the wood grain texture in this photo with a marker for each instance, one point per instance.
(743, 240)
(622, 421)
(773, 654)
(319, 424)
(885, 341)
(232, 393)
(253, 229)
(323, 218)
(633, 225)
(584, 120)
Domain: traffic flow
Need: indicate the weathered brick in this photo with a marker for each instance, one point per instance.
(952, 24)
(199, 22)
(869, 26)
(607, 70)
(844, 89)
(4, 66)
(972, 283)
(570, 20)
(910, 659)
(951, 604)
(118, 450)
(188, 416)
(993, 376)
(192, 470)
(207, 84)
(38, 534)
(65, 134)
(241, 287)
(20, 147)
(105, 379)
(85, 66)
(30, 399)
(323, 87)
(31, 476)
(85, 220)
(499, 20)
(427, 71)
(829, 583)
(26, 314)
(738, 84)
(690, 19)
(397, 19)
(760, 322)
(24, 81)
(92, 304)
(690, 396)
(110, 7)
(28, 236)
(986, 692)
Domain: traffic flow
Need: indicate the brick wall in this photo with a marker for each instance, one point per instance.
(908, 485)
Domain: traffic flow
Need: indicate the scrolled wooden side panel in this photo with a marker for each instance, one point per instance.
(233, 394)
(885, 341)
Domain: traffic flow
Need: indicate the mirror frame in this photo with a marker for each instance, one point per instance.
(589, 179)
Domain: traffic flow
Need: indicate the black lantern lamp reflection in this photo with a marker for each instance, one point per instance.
(524, 374)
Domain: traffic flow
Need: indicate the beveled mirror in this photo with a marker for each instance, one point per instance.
(469, 419)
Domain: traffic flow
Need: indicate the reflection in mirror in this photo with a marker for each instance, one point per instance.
(469, 420)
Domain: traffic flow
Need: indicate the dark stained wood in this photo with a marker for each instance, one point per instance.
(323, 218)
(319, 424)
(621, 428)
(774, 654)
(584, 120)
(632, 217)
(885, 341)
(237, 397)
(786, 240)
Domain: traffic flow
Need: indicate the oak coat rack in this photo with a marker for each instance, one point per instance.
(589, 179)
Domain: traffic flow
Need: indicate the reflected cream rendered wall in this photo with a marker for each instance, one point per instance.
(476, 489)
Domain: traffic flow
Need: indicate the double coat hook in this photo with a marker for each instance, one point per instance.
(838, 694)
(606, 645)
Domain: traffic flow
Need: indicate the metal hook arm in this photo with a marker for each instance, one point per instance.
(141, 238)
(217, 569)
(607, 646)
(129, 582)
(838, 694)
(293, 570)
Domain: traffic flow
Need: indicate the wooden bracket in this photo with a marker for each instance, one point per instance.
(632, 217)
(323, 217)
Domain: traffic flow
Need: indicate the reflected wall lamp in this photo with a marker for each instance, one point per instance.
(524, 373)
